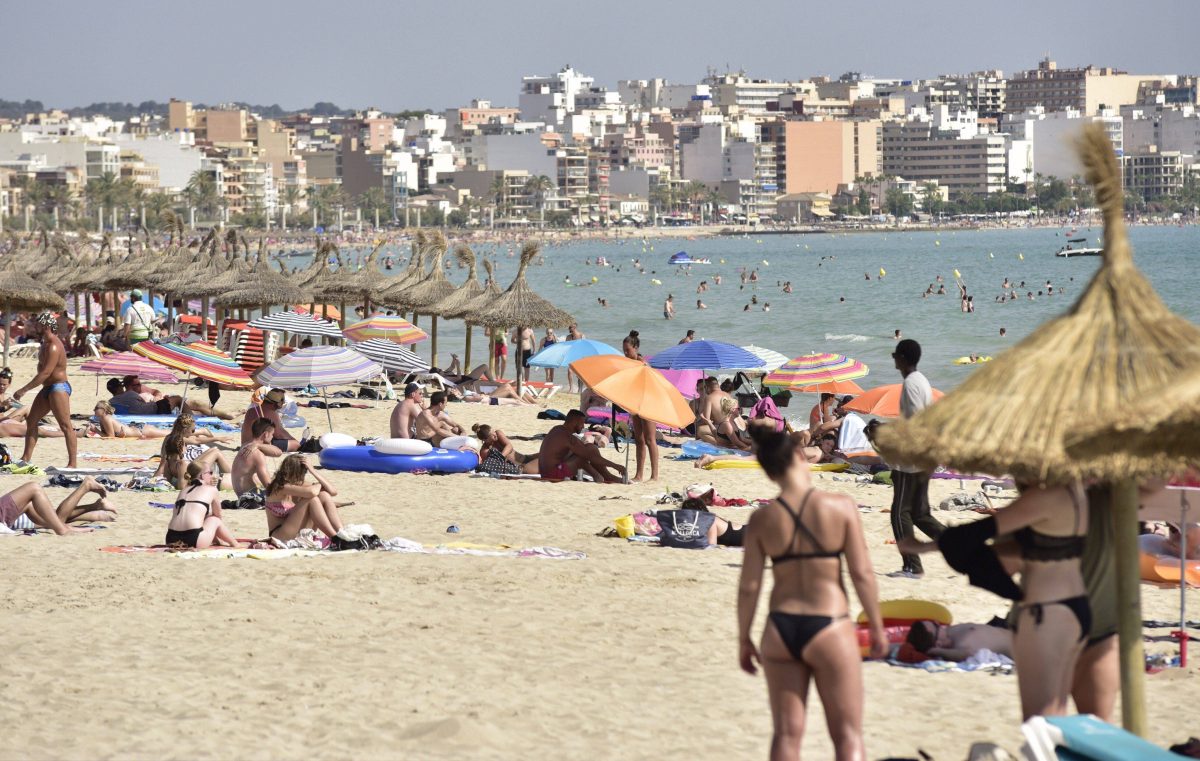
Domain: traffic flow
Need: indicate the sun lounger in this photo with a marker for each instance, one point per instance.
(24, 350)
(542, 390)
(1085, 737)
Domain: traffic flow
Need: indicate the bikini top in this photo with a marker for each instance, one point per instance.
(820, 552)
(179, 503)
(1043, 547)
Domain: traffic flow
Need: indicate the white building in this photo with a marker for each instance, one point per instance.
(550, 99)
(93, 157)
(1054, 133)
(1167, 129)
(174, 153)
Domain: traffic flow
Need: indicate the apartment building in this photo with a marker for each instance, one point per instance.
(738, 93)
(1167, 129)
(917, 149)
(817, 156)
(1153, 174)
(1086, 89)
(1053, 135)
(134, 168)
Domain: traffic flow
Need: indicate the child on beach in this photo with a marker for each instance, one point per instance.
(196, 520)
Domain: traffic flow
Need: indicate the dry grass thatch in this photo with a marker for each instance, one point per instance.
(434, 287)
(1116, 343)
(472, 307)
(20, 292)
(466, 292)
(519, 305)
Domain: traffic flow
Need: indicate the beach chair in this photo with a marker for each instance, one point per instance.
(1084, 737)
(542, 389)
(30, 349)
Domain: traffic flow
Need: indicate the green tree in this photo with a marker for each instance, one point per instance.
(898, 203)
(862, 206)
(201, 194)
(372, 201)
(540, 187)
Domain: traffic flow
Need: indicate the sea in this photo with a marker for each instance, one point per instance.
(850, 291)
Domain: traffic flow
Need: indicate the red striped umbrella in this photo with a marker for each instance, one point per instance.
(127, 363)
(197, 358)
(813, 369)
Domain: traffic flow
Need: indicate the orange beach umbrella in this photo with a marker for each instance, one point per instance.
(636, 387)
(883, 401)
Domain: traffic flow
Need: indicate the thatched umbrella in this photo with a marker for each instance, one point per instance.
(413, 274)
(461, 296)
(433, 289)
(1118, 342)
(21, 292)
(470, 309)
(521, 307)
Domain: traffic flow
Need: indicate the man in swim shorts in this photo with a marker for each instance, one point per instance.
(55, 396)
(269, 409)
(249, 468)
(564, 453)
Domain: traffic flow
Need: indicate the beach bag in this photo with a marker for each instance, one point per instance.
(684, 529)
(765, 409)
(5, 455)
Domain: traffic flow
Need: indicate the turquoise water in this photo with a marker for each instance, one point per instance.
(813, 317)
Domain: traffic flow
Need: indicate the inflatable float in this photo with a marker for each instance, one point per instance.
(694, 450)
(969, 361)
(1164, 569)
(905, 612)
(896, 635)
(749, 463)
(166, 421)
(400, 456)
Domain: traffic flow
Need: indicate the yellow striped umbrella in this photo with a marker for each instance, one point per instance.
(390, 327)
(813, 369)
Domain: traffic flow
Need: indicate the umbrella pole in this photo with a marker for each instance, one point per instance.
(187, 381)
(170, 311)
(7, 337)
(467, 353)
(87, 304)
(433, 342)
(1183, 582)
(328, 414)
(1129, 608)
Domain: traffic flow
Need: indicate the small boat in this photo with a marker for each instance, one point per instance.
(1072, 250)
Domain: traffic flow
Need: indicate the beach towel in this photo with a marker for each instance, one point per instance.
(400, 544)
(80, 473)
(984, 660)
(765, 409)
(852, 437)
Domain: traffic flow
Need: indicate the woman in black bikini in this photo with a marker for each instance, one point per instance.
(809, 634)
(1043, 534)
(196, 520)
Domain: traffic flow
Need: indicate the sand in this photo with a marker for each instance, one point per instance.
(630, 653)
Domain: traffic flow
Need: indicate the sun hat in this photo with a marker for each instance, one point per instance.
(274, 396)
(699, 490)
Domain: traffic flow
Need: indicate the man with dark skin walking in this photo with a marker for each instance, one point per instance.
(55, 396)
(910, 485)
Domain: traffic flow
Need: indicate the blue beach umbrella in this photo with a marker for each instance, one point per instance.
(563, 353)
(158, 306)
(705, 355)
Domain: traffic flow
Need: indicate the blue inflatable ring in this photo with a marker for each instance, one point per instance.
(367, 460)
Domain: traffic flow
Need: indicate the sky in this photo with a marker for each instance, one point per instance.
(399, 55)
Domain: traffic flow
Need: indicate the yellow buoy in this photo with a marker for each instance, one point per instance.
(937, 243)
(882, 272)
(957, 274)
(722, 261)
(1021, 257)
(595, 279)
(766, 263)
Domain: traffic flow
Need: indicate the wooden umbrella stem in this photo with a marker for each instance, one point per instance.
(467, 350)
(1129, 608)
(433, 341)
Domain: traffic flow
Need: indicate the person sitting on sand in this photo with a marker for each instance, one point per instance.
(30, 499)
(293, 504)
(407, 410)
(809, 635)
(960, 641)
(497, 455)
(196, 519)
(563, 454)
(108, 427)
(136, 398)
(716, 423)
(184, 445)
(272, 402)
(433, 424)
(802, 440)
(249, 474)
(722, 532)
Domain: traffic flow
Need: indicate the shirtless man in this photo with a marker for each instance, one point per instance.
(406, 412)
(432, 425)
(960, 641)
(563, 454)
(55, 396)
(717, 415)
(269, 410)
(573, 334)
(249, 470)
(524, 340)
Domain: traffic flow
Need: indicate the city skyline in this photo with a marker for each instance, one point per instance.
(423, 57)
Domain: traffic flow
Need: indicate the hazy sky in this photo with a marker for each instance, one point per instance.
(397, 54)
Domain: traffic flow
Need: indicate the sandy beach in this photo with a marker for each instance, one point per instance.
(629, 653)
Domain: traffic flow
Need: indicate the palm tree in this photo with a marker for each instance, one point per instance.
(498, 194)
(201, 193)
(372, 202)
(156, 204)
(539, 187)
(102, 192)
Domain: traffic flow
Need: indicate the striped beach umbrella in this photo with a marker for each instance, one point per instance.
(705, 355)
(814, 369)
(127, 363)
(319, 366)
(389, 327)
(772, 360)
(394, 357)
(200, 359)
(297, 322)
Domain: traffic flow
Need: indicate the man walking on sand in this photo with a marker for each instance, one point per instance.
(55, 396)
(910, 485)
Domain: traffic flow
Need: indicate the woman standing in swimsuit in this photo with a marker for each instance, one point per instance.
(293, 504)
(809, 635)
(1047, 527)
(196, 520)
(645, 432)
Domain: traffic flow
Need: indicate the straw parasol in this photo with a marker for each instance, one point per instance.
(433, 289)
(462, 295)
(20, 292)
(1163, 428)
(414, 274)
(1118, 342)
(520, 306)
